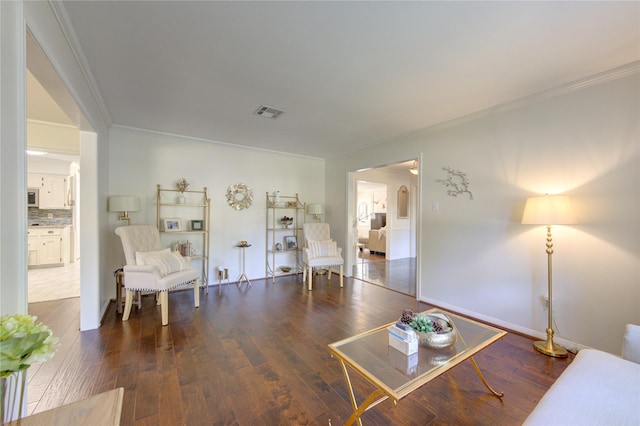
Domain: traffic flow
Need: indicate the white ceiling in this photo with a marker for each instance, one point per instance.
(348, 75)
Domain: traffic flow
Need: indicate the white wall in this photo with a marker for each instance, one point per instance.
(476, 257)
(140, 160)
(13, 171)
(52, 137)
(48, 166)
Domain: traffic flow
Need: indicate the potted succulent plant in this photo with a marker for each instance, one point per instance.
(433, 330)
(22, 342)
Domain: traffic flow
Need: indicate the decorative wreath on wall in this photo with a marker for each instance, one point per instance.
(239, 196)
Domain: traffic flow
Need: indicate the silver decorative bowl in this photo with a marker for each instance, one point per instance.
(437, 340)
(438, 357)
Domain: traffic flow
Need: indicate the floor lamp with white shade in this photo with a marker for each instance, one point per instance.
(549, 210)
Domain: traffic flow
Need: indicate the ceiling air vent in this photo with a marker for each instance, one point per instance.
(268, 112)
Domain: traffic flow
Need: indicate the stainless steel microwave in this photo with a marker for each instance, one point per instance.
(33, 197)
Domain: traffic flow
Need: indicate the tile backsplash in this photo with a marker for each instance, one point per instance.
(41, 217)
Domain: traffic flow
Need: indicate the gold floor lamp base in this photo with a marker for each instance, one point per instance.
(551, 349)
(548, 347)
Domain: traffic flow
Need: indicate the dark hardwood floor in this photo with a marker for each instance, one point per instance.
(259, 356)
(397, 274)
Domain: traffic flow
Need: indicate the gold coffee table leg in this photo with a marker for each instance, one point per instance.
(358, 410)
(475, 366)
(363, 407)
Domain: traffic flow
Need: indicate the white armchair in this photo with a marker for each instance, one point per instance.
(150, 268)
(320, 251)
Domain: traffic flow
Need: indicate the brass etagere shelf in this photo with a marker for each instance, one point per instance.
(279, 206)
(198, 202)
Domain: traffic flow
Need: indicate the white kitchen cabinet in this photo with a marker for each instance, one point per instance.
(45, 246)
(50, 249)
(53, 194)
(54, 190)
(32, 250)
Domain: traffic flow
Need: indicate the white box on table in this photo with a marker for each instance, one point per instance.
(405, 346)
(406, 333)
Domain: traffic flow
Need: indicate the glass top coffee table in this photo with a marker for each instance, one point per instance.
(394, 374)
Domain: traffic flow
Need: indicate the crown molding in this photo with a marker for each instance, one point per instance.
(593, 80)
(214, 142)
(571, 87)
(70, 35)
(49, 123)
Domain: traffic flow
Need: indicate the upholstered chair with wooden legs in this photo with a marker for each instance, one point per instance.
(151, 268)
(320, 251)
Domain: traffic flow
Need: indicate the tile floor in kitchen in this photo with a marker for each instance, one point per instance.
(55, 283)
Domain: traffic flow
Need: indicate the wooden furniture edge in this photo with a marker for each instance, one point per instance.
(102, 409)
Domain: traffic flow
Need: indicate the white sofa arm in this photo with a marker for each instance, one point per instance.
(631, 343)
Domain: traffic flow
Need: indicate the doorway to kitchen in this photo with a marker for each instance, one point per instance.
(53, 175)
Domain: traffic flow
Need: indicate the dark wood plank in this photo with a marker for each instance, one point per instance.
(259, 356)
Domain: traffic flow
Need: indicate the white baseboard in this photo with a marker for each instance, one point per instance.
(542, 335)
(103, 311)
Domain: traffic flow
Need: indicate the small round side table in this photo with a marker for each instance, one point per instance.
(243, 276)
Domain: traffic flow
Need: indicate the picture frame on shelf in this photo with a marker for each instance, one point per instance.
(197, 225)
(291, 242)
(171, 225)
